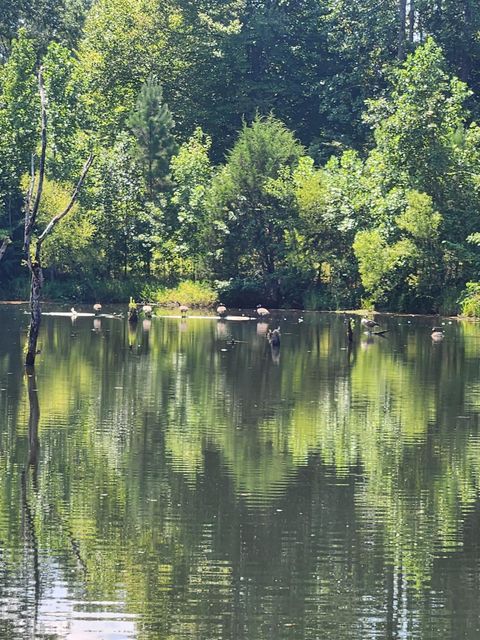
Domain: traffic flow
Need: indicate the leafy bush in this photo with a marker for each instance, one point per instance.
(15, 289)
(242, 292)
(470, 300)
(323, 298)
(193, 294)
(95, 290)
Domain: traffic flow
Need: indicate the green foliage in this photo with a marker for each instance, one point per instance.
(62, 123)
(19, 109)
(245, 199)
(192, 174)
(70, 249)
(404, 256)
(121, 41)
(332, 205)
(380, 263)
(419, 172)
(414, 127)
(470, 300)
(418, 219)
(385, 206)
(360, 42)
(192, 294)
(151, 123)
(126, 225)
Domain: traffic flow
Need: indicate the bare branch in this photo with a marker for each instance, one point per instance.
(55, 220)
(31, 186)
(31, 214)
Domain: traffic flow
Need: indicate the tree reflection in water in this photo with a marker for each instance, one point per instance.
(209, 493)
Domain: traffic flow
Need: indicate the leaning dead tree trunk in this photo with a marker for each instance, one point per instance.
(32, 205)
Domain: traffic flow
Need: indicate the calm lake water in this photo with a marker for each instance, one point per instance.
(160, 483)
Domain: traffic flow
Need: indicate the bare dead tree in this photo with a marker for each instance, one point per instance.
(32, 204)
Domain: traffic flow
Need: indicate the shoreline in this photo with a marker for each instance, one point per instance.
(356, 312)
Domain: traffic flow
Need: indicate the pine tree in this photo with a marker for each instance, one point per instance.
(152, 123)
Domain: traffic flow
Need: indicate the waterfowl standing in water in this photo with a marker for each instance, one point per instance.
(262, 312)
(73, 312)
(97, 307)
(183, 310)
(437, 334)
(147, 310)
(221, 309)
(369, 324)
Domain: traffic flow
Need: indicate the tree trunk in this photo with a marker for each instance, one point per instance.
(411, 22)
(3, 246)
(402, 20)
(35, 265)
(35, 312)
(32, 205)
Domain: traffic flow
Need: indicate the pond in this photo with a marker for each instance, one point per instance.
(161, 482)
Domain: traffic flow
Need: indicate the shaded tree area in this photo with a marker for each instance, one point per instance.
(315, 154)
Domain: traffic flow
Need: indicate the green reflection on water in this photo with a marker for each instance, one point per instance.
(184, 487)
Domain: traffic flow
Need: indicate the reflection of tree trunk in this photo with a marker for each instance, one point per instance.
(390, 603)
(132, 331)
(32, 463)
(33, 442)
(76, 552)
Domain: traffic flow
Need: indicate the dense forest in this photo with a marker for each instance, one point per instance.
(310, 153)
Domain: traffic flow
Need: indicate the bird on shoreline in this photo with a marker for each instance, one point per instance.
(147, 310)
(183, 310)
(73, 312)
(97, 307)
(221, 309)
